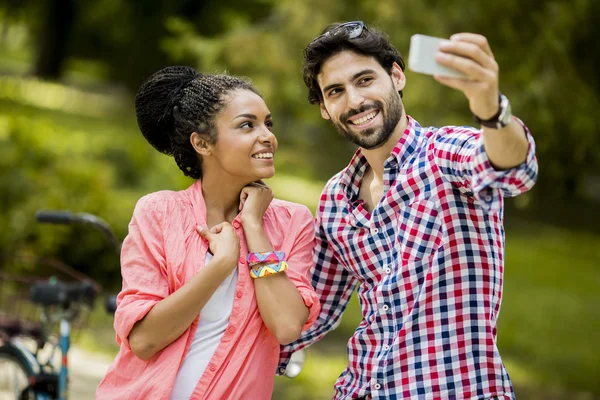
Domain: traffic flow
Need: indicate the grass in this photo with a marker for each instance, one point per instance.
(550, 317)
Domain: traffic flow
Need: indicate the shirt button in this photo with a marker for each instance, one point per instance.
(212, 367)
(386, 347)
(242, 260)
(488, 198)
(231, 329)
(282, 370)
(385, 308)
(377, 386)
(236, 224)
(239, 294)
(388, 270)
(375, 230)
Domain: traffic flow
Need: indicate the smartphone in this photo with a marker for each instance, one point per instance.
(421, 57)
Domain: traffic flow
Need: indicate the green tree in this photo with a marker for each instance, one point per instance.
(546, 50)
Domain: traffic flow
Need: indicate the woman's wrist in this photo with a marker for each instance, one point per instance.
(252, 224)
(224, 261)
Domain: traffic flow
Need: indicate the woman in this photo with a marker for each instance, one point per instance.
(214, 276)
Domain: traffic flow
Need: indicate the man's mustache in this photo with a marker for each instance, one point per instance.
(376, 105)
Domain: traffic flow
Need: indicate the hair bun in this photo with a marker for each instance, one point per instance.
(154, 103)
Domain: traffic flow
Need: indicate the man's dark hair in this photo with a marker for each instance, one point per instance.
(370, 42)
(175, 102)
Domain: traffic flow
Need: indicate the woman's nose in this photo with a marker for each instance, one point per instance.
(266, 136)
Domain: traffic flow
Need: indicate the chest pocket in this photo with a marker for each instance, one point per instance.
(419, 230)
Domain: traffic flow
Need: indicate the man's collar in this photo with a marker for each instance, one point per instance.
(404, 149)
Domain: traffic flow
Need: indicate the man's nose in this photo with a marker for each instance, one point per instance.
(355, 98)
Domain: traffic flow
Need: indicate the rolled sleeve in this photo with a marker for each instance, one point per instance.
(300, 260)
(460, 154)
(142, 268)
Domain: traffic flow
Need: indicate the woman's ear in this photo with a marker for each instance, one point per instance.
(200, 144)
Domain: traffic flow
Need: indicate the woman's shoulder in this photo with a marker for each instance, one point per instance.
(289, 211)
(162, 202)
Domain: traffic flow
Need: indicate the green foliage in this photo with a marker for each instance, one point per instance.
(547, 52)
(541, 48)
(81, 159)
(83, 164)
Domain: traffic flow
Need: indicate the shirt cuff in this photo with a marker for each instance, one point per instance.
(284, 360)
(489, 185)
(311, 301)
(127, 316)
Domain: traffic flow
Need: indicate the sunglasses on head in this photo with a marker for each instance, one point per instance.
(353, 30)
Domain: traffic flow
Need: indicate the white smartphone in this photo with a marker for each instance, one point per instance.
(421, 57)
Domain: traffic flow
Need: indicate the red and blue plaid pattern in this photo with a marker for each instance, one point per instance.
(427, 264)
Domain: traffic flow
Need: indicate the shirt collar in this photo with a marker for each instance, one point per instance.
(407, 145)
(194, 194)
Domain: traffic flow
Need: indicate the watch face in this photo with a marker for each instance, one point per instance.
(505, 117)
(500, 120)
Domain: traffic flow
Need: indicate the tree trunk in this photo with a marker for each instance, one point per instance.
(54, 38)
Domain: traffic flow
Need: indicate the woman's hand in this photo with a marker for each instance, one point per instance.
(223, 243)
(254, 201)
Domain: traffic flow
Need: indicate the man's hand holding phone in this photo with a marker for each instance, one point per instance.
(464, 62)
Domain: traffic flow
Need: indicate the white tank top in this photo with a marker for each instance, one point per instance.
(214, 318)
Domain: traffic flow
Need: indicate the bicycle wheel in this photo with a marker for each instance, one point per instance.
(14, 375)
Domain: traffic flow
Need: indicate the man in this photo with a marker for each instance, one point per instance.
(415, 221)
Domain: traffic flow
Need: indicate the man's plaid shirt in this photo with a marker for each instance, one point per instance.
(428, 267)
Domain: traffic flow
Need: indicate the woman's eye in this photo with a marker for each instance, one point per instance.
(246, 125)
(269, 124)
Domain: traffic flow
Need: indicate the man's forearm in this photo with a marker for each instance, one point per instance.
(507, 147)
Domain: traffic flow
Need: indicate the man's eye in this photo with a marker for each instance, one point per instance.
(333, 92)
(365, 80)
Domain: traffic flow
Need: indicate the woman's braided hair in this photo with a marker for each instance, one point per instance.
(175, 102)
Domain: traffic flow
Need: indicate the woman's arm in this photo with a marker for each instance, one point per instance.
(170, 317)
(279, 302)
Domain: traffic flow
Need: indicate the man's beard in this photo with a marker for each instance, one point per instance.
(373, 138)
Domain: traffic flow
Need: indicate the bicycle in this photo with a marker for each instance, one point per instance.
(24, 374)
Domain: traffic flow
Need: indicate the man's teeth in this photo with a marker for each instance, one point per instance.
(365, 119)
(263, 155)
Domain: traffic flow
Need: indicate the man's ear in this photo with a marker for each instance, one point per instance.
(398, 77)
(324, 112)
(200, 144)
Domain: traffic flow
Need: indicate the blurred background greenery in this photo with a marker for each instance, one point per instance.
(68, 140)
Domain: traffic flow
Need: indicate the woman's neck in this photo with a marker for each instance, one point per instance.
(222, 200)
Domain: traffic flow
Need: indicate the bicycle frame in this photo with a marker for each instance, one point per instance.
(64, 342)
(60, 304)
(48, 369)
(33, 365)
